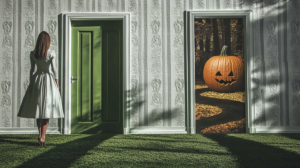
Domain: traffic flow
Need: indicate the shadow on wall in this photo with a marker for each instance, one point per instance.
(267, 84)
(268, 81)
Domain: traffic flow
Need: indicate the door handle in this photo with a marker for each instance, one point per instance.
(73, 78)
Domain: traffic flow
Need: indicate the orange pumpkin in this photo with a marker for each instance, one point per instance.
(224, 73)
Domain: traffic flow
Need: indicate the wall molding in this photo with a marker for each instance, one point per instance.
(277, 130)
(190, 16)
(158, 130)
(150, 130)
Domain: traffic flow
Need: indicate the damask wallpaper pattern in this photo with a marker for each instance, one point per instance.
(157, 57)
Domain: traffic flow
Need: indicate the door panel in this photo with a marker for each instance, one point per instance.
(96, 96)
(85, 98)
(86, 50)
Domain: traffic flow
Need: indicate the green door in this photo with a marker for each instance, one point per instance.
(96, 75)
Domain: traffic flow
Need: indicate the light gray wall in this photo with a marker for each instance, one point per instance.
(157, 60)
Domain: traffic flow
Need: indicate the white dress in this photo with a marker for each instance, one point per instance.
(42, 98)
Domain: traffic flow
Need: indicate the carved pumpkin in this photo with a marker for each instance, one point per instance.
(224, 73)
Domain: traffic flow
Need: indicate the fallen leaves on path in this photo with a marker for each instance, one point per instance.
(236, 96)
(200, 86)
(230, 127)
(203, 110)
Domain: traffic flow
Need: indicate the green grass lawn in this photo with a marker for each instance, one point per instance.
(175, 150)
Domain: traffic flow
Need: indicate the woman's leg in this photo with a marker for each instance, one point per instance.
(44, 129)
(39, 124)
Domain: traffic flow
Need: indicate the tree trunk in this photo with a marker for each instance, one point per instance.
(223, 32)
(240, 27)
(227, 36)
(216, 37)
(207, 42)
(201, 38)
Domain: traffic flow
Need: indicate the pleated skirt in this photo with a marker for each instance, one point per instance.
(42, 98)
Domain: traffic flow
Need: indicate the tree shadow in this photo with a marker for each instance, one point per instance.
(57, 157)
(164, 148)
(8, 137)
(261, 85)
(292, 136)
(255, 154)
(26, 143)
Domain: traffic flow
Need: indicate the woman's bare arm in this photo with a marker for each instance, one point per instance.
(54, 68)
(57, 83)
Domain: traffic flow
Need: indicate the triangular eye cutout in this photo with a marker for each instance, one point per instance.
(218, 73)
(230, 74)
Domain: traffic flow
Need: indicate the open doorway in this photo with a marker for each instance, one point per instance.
(220, 75)
(85, 39)
(96, 70)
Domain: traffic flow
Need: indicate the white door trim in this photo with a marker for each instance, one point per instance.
(65, 61)
(190, 62)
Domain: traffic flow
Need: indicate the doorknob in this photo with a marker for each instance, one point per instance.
(73, 78)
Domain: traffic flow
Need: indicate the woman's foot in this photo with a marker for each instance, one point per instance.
(39, 139)
(42, 140)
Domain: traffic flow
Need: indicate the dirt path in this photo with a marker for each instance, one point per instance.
(231, 110)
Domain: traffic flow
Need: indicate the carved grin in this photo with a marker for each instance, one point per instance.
(222, 82)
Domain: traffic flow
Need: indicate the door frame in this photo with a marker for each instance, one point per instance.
(190, 62)
(65, 61)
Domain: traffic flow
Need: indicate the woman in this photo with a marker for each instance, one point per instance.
(42, 98)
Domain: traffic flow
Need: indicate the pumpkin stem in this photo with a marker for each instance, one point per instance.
(223, 51)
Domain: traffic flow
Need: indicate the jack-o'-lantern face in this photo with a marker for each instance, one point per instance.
(224, 73)
(222, 82)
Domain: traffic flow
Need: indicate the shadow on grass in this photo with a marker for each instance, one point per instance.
(255, 154)
(292, 136)
(19, 143)
(8, 137)
(170, 141)
(163, 148)
(63, 155)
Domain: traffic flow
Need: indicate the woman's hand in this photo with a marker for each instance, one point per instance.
(57, 82)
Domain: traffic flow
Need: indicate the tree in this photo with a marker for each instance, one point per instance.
(240, 28)
(208, 35)
(216, 37)
(228, 35)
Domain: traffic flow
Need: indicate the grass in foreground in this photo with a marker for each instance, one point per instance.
(175, 150)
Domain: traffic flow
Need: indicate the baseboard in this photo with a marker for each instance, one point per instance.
(250, 130)
(158, 130)
(126, 131)
(52, 130)
(277, 130)
(66, 131)
(192, 130)
(150, 130)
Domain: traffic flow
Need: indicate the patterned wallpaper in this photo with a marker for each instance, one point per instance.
(157, 60)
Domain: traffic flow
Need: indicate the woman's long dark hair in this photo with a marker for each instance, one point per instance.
(42, 45)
